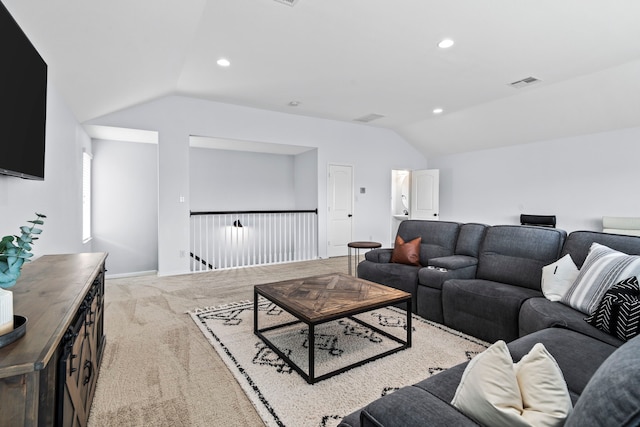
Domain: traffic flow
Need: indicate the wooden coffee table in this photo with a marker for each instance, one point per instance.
(321, 299)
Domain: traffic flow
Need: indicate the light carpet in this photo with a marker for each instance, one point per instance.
(283, 398)
(158, 369)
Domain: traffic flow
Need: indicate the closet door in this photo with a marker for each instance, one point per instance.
(425, 194)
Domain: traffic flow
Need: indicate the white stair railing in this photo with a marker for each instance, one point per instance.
(247, 238)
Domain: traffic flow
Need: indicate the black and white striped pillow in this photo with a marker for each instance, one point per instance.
(618, 313)
(603, 268)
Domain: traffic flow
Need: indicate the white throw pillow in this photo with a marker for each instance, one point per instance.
(603, 268)
(545, 397)
(488, 391)
(558, 277)
(493, 391)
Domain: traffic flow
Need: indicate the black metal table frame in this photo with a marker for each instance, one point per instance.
(310, 377)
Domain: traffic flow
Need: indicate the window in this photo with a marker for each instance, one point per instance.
(86, 197)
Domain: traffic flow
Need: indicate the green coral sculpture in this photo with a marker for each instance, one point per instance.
(16, 250)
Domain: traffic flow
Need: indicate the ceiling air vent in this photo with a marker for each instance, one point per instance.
(368, 118)
(288, 2)
(528, 81)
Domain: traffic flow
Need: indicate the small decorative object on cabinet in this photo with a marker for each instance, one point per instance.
(48, 377)
(13, 254)
(6, 313)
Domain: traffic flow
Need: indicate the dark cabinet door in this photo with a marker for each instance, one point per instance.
(72, 412)
(79, 363)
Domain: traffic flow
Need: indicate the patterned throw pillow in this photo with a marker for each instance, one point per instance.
(619, 311)
(603, 268)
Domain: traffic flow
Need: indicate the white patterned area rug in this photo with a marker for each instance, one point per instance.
(283, 398)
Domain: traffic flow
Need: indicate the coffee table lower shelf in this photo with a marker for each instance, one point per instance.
(310, 376)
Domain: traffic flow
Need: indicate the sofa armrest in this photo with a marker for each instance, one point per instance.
(382, 255)
(442, 269)
(412, 406)
(453, 262)
(540, 313)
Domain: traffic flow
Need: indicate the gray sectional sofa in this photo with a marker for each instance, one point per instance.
(439, 240)
(486, 283)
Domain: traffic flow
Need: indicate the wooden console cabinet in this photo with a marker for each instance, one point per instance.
(48, 377)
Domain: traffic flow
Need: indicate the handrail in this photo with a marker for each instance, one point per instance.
(192, 213)
(202, 261)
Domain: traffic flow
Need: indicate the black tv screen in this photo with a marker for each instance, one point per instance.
(23, 102)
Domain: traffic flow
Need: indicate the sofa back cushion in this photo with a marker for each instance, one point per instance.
(438, 237)
(579, 242)
(515, 254)
(469, 239)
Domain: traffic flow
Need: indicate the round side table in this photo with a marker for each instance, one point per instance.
(357, 246)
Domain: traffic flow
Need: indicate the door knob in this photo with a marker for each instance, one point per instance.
(349, 215)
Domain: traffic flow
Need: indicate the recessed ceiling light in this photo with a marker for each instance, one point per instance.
(223, 62)
(294, 103)
(445, 43)
(437, 110)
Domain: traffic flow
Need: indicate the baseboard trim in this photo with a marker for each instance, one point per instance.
(132, 274)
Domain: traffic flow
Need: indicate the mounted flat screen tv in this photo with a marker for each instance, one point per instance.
(23, 102)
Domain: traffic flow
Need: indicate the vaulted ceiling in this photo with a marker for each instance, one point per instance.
(346, 59)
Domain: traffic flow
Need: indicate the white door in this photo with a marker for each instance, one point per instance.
(340, 209)
(425, 194)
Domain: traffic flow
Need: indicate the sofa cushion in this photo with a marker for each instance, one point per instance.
(537, 314)
(618, 313)
(469, 239)
(611, 397)
(453, 262)
(484, 309)
(516, 254)
(579, 242)
(443, 384)
(558, 277)
(429, 303)
(445, 268)
(603, 268)
(424, 402)
(411, 406)
(406, 252)
(496, 392)
(381, 255)
(578, 355)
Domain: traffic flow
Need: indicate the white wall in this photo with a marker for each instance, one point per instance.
(125, 205)
(225, 180)
(306, 180)
(578, 179)
(372, 151)
(59, 196)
